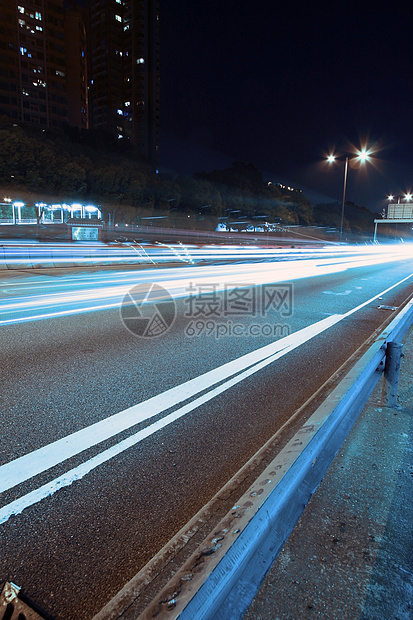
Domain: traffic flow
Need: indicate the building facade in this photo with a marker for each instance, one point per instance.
(33, 63)
(90, 68)
(124, 72)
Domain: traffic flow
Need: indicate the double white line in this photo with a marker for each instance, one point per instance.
(204, 387)
(220, 379)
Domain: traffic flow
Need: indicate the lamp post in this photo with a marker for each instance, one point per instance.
(362, 156)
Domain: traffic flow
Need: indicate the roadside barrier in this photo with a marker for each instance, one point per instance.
(21, 257)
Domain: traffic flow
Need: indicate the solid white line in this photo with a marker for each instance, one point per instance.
(40, 460)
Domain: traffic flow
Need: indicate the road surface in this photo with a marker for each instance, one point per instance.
(113, 437)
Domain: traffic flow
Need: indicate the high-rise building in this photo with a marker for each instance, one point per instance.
(124, 72)
(76, 63)
(33, 63)
(57, 71)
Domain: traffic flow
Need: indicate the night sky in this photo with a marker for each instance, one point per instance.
(281, 85)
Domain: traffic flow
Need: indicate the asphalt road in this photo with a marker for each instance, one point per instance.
(90, 511)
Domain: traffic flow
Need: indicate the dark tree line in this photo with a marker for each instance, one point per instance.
(94, 169)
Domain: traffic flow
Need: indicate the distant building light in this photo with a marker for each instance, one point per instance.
(140, 61)
(20, 9)
(118, 18)
(119, 111)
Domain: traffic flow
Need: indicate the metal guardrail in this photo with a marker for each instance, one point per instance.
(222, 577)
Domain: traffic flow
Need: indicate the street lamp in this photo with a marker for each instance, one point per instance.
(362, 156)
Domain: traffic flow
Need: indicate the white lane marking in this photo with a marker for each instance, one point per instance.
(44, 458)
(333, 293)
(61, 313)
(79, 472)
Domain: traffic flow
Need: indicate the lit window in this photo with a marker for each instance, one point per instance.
(127, 103)
(60, 73)
(119, 1)
(39, 28)
(126, 27)
(140, 61)
(23, 51)
(21, 9)
(22, 22)
(120, 111)
(38, 16)
(118, 18)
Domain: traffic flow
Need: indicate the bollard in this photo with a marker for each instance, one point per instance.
(391, 374)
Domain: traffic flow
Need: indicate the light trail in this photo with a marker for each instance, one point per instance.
(13, 256)
(94, 292)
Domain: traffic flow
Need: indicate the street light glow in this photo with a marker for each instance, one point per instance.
(331, 159)
(363, 155)
(408, 197)
(390, 198)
